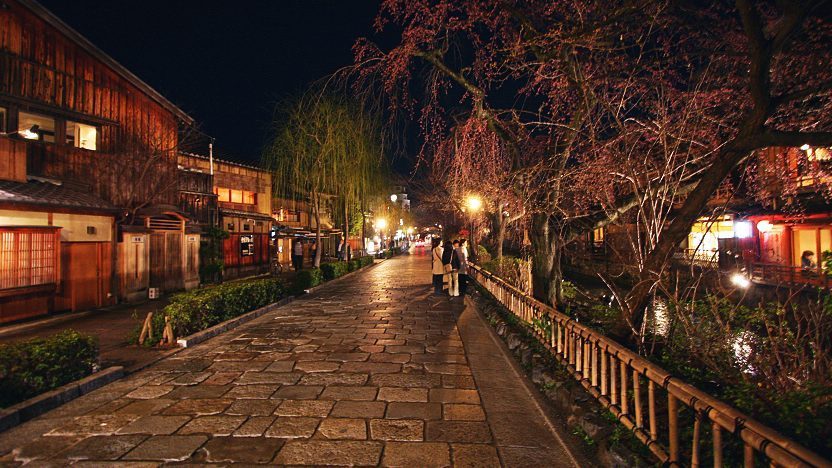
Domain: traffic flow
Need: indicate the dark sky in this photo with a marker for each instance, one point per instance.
(226, 63)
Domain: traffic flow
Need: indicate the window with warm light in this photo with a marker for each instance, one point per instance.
(3, 116)
(36, 127)
(223, 194)
(236, 196)
(81, 135)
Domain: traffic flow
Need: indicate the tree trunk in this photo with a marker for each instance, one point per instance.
(639, 297)
(346, 231)
(316, 208)
(501, 231)
(363, 228)
(546, 269)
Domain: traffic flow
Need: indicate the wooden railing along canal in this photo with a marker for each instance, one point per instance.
(624, 383)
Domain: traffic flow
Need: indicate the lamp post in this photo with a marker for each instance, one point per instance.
(474, 205)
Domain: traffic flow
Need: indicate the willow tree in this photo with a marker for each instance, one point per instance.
(325, 146)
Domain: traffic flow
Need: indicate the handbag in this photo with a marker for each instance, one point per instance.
(447, 268)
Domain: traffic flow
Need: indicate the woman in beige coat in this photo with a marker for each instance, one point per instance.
(436, 265)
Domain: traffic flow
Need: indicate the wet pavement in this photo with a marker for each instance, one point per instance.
(370, 370)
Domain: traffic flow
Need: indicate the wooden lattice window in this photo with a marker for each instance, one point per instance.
(28, 256)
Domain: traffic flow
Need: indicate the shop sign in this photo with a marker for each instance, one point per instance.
(246, 245)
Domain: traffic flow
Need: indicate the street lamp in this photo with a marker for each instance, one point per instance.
(474, 203)
(381, 224)
(393, 198)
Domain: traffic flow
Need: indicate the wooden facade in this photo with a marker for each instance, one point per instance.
(75, 124)
(241, 197)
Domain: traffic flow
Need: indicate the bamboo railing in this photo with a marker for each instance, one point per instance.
(618, 377)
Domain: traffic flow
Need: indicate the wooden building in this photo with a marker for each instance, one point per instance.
(240, 196)
(296, 223)
(759, 239)
(76, 125)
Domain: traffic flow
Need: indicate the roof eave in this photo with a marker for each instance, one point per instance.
(99, 54)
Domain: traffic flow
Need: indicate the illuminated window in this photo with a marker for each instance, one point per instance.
(36, 127)
(3, 113)
(236, 196)
(598, 236)
(223, 194)
(28, 257)
(81, 135)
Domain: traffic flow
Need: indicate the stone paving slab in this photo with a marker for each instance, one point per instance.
(370, 371)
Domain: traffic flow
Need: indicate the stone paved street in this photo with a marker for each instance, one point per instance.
(368, 370)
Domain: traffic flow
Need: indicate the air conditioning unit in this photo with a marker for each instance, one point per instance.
(153, 293)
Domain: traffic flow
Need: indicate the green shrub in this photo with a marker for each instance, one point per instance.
(29, 368)
(366, 260)
(334, 270)
(306, 279)
(199, 309)
(354, 264)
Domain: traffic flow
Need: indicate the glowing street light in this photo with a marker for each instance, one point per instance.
(393, 198)
(381, 223)
(474, 203)
(739, 280)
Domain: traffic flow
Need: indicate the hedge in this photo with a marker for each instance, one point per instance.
(306, 279)
(334, 270)
(196, 310)
(29, 368)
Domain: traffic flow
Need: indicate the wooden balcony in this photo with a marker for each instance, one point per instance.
(788, 276)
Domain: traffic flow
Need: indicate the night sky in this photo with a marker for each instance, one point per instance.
(226, 63)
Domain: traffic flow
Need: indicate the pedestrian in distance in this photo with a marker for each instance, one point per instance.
(297, 255)
(451, 274)
(462, 255)
(437, 268)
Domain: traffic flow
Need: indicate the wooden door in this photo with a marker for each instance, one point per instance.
(157, 260)
(85, 274)
(166, 261)
(174, 279)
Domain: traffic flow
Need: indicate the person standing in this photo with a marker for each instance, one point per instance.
(436, 266)
(297, 255)
(462, 254)
(313, 251)
(448, 257)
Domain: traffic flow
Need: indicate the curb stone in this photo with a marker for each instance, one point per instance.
(203, 335)
(37, 405)
(315, 288)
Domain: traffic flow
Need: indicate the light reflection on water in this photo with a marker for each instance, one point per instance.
(658, 318)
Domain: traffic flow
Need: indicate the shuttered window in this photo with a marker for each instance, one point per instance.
(28, 257)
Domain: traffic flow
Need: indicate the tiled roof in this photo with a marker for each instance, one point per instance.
(48, 194)
(246, 214)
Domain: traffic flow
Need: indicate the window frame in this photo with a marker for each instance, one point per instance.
(41, 134)
(36, 266)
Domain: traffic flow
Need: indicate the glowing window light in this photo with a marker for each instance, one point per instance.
(743, 230)
(764, 226)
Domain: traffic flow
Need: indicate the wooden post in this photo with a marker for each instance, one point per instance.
(673, 427)
(748, 456)
(651, 409)
(147, 329)
(167, 337)
(637, 399)
(694, 462)
(717, 437)
(604, 372)
(613, 380)
(624, 402)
